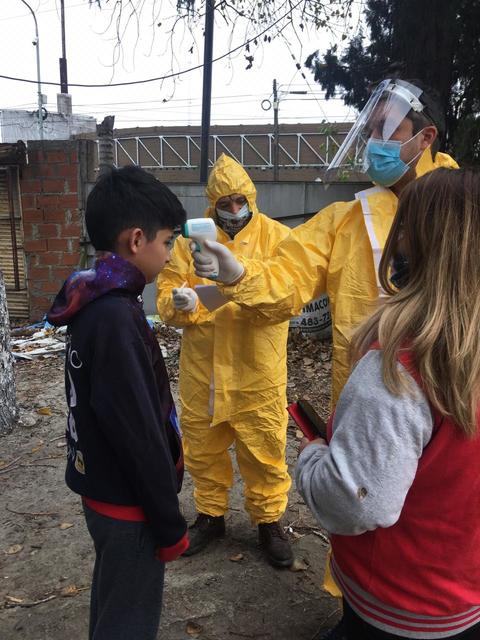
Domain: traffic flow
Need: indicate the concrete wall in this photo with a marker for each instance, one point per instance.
(23, 125)
(289, 202)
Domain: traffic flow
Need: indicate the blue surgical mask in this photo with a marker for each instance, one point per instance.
(383, 163)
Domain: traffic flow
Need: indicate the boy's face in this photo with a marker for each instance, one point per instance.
(150, 256)
(154, 254)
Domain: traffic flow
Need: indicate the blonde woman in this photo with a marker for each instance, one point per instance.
(398, 485)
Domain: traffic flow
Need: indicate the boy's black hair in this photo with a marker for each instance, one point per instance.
(126, 198)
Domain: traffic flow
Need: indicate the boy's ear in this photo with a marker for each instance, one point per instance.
(131, 240)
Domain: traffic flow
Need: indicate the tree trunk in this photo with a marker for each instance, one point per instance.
(8, 404)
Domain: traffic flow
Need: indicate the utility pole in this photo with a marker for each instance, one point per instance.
(207, 89)
(275, 132)
(63, 60)
(36, 44)
(266, 106)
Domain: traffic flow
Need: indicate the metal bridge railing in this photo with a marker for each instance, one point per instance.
(252, 150)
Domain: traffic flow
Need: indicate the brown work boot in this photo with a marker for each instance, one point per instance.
(203, 531)
(275, 544)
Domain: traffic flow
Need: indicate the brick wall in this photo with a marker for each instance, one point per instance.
(52, 194)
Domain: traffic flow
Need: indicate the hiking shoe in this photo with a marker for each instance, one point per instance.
(275, 544)
(203, 531)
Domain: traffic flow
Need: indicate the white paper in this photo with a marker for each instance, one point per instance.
(210, 296)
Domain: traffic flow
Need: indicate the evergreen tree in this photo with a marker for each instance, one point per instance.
(435, 42)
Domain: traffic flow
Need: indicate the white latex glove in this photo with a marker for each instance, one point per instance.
(229, 268)
(184, 299)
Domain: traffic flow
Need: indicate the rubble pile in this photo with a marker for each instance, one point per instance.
(169, 340)
(40, 340)
(309, 370)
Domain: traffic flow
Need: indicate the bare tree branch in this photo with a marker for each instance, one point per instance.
(271, 18)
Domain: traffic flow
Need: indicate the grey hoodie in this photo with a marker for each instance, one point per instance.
(360, 481)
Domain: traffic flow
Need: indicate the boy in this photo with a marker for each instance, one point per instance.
(124, 453)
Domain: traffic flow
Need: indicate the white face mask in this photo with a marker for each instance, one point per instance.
(228, 216)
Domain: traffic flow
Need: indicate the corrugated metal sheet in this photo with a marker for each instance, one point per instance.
(12, 263)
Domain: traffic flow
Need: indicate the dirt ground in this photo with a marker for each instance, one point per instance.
(228, 592)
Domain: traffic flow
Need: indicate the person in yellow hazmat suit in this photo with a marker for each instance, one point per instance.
(338, 250)
(233, 374)
(394, 140)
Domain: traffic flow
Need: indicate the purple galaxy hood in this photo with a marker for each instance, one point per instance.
(82, 287)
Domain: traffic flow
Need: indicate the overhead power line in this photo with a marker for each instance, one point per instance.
(39, 11)
(167, 76)
(229, 99)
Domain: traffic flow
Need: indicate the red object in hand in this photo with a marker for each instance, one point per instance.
(307, 420)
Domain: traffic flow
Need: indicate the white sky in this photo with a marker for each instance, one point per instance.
(236, 93)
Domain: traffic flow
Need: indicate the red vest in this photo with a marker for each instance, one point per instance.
(428, 562)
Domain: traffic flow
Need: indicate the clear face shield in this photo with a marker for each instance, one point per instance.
(384, 112)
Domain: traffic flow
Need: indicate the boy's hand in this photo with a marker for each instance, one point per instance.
(184, 299)
(169, 554)
(230, 269)
(304, 442)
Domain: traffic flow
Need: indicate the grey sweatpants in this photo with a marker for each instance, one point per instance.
(127, 585)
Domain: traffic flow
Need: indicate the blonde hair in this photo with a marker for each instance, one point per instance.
(437, 314)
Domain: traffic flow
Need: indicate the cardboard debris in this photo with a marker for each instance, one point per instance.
(46, 342)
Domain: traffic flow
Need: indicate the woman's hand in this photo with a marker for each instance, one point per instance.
(304, 442)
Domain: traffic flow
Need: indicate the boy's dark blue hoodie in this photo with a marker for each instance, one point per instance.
(122, 435)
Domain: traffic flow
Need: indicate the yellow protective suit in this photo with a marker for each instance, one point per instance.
(337, 252)
(232, 371)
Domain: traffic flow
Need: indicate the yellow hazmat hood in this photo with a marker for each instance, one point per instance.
(226, 177)
(426, 162)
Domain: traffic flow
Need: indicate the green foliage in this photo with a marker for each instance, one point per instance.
(437, 43)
